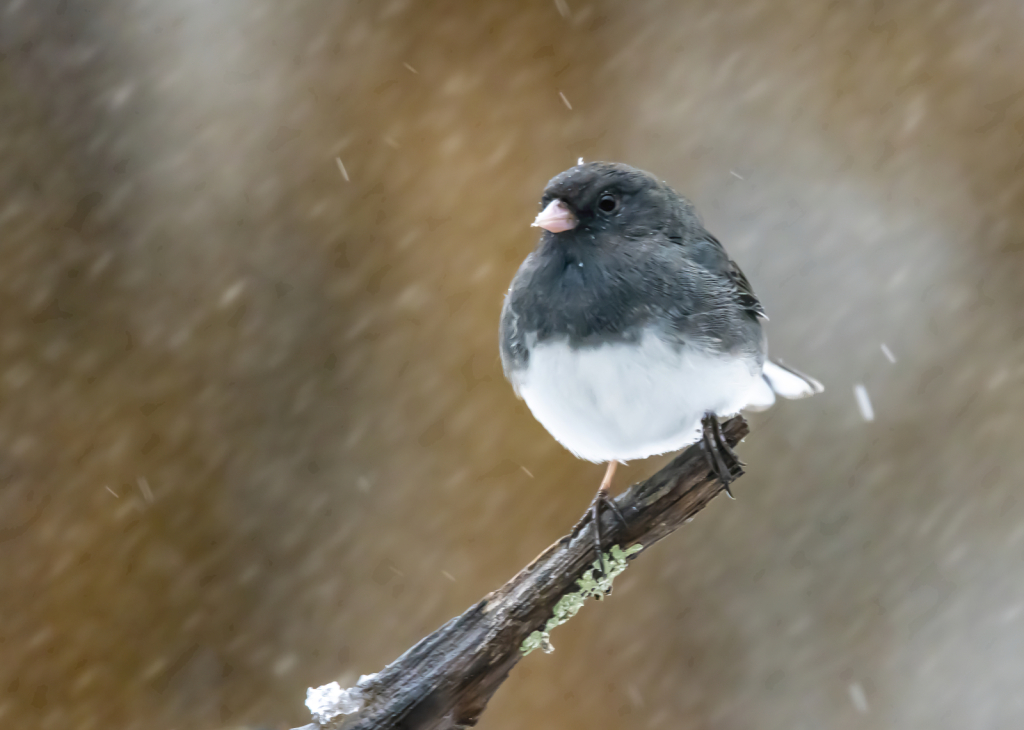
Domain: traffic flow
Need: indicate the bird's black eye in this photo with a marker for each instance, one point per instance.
(608, 203)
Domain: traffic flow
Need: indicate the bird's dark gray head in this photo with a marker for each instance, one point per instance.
(620, 252)
(598, 196)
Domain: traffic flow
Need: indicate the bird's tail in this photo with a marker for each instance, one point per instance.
(779, 379)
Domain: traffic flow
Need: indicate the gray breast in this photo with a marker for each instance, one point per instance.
(596, 304)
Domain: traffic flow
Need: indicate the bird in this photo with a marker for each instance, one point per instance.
(628, 330)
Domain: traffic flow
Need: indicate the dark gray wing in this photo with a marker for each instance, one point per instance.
(709, 252)
(718, 306)
(744, 292)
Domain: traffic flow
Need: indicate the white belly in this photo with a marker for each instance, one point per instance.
(619, 401)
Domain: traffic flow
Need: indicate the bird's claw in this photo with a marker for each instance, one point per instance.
(722, 460)
(593, 514)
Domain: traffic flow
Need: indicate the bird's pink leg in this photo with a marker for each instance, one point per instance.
(593, 514)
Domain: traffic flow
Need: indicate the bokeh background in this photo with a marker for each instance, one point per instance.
(254, 434)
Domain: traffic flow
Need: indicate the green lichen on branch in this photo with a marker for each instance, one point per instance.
(590, 587)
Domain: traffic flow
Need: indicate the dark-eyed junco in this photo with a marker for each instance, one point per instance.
(629, 329)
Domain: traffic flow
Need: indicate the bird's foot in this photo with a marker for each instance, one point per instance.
(722, 460)
(593, 514)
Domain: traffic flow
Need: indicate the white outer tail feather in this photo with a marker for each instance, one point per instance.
(778, 379)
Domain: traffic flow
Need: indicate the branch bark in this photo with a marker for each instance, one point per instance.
(445, 681)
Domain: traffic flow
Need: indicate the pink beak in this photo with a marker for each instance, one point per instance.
(556, 217)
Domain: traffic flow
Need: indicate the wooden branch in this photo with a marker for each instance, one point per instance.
(445, 681)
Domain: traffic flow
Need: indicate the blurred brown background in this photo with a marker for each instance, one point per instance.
(254, 434)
